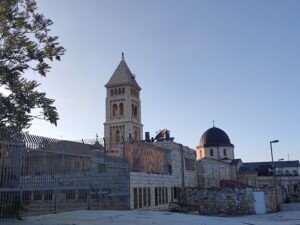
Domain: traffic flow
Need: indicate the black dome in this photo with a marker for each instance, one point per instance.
(214, 137)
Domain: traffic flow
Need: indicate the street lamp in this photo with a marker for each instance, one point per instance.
(272, 142)
(274, 170)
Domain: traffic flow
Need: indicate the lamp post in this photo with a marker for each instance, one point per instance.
(274, 170)
(272, 142)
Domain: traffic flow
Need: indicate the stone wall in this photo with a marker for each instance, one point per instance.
(213, 201)
(219, 201)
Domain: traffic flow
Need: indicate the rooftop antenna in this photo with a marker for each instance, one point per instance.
(213, 123)
(122, 55)
(288, 157)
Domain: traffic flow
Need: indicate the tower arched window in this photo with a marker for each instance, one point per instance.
(117, 136)
(135, 111)
(132, 110)
(121, 109)
(111, 92)
(114, 110)
(119, 91)
(224, 152)
(115, 91)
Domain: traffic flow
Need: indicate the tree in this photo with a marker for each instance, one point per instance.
(25, 44)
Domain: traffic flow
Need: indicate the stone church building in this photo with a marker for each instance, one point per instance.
(160, 167)
(123, 107)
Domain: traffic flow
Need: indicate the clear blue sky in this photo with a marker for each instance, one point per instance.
(235, 62)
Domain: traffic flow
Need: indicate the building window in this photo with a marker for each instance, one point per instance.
(135, 111)
(123, 90)
(224, 152)
(121, 107)
(144, 196)
(156, 196)
(140, 198)
(175, 193)
(119, 91)
(117, 137)
(159, 195)
(211, 152)
(166, 191)
(135, 200)
(163, 195)
(114, 110)
(111, 92)
(149, 196)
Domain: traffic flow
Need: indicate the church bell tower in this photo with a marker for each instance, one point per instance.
(123, 107)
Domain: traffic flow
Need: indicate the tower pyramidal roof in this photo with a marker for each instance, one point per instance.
(122, 76)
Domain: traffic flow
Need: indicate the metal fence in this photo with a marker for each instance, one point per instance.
(39, 175)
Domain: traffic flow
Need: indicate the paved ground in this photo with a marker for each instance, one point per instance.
(289, 216)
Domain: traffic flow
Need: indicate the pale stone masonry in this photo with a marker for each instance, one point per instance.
(123, 108)
(213, 201)
(156, 190)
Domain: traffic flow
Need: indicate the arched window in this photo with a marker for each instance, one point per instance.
(135, 111)
(123, 90)
(111, 92)
(117, 136)
(115, 91)
(119, 91)
(114, 110)
(121, 109)
(132, 110)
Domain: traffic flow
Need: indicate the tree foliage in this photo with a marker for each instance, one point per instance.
(25, 44)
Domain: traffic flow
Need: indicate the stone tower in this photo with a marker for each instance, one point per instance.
(123, 107)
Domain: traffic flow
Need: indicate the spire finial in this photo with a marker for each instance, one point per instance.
(213, 123)
(122, 55)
